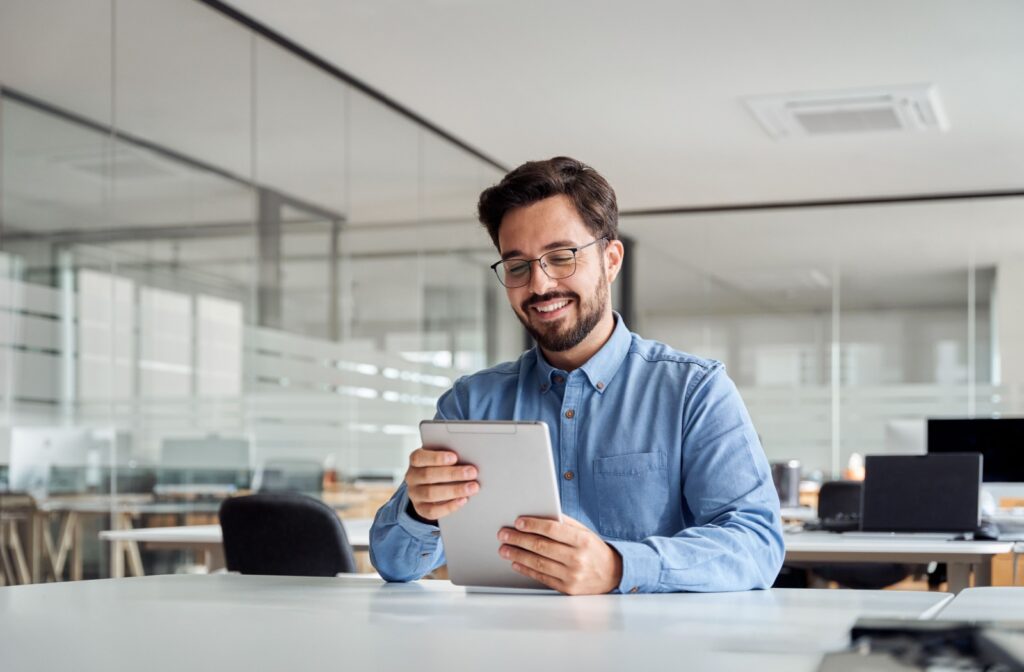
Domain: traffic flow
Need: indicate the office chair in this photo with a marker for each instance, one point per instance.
(284, 534)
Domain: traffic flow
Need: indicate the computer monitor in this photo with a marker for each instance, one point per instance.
(1000, 441)
(921, 493)
(216, 461)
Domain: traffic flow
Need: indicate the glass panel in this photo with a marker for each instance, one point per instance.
(753, 290)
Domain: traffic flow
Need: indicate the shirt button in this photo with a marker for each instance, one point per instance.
(569, 475)
(600, 386)
(570, 414)
(634, 589)
(559, 380)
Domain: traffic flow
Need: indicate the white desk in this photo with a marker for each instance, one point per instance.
(232, 622)
(960, 556)
(986, 604)
(207, 539)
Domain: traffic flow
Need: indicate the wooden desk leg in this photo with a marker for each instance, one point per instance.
(983, 573)
(117, 560)
(67, 541)
(76, 549)
(19, 555)
(959, 576)
(36, 546)
(6, 569)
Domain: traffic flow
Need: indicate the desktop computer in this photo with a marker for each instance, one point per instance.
(62, 460)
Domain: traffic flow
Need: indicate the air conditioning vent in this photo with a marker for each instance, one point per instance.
(913, 107)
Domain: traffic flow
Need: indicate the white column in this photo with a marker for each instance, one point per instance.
(1008, 324)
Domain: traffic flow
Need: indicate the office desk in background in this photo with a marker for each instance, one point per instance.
(233, 622)
(986, 604)
(961, 557)
(208, 540)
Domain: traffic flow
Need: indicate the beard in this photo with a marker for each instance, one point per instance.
(559, 337)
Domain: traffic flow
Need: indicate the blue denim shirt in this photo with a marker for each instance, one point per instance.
(666, 466)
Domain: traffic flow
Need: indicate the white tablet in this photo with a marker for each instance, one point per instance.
(517, 478)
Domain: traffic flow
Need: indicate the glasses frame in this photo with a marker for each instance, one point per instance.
(543, 266)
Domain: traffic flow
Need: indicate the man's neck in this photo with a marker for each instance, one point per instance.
(574, 358)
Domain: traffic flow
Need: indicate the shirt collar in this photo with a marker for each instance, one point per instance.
(599, 369)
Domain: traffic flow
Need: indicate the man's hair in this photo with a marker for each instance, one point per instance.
(534, 181)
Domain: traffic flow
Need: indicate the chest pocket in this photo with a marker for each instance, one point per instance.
(633, 495)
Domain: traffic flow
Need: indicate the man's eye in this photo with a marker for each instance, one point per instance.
(517, 269)
(560, 259)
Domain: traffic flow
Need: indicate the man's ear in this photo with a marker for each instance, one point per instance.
(613, 255)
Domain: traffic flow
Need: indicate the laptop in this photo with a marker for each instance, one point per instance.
(935, 493)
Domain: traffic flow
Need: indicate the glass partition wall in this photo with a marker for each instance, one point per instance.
(844, 327)
(218, 262)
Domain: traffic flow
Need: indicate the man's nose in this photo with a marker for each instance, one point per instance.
(540, 283)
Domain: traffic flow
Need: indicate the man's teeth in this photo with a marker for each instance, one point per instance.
(551, 307)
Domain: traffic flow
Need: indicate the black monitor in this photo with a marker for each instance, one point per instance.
(1000, 441)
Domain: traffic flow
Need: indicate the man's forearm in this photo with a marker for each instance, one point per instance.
(402, 548)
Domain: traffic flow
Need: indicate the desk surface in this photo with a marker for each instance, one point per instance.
(357, 530)
(807, 543)
(986, 604)
(234, 622)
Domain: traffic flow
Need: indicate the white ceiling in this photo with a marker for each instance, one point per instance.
(650, 92)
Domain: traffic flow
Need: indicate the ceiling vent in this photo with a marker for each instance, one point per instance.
(914, 107)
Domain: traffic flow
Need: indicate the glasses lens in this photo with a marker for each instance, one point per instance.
(559, 264)
(515, 272)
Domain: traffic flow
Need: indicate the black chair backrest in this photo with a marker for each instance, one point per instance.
(284, 534)
(840, 500)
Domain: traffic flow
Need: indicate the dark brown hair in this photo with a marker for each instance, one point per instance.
(534, 181)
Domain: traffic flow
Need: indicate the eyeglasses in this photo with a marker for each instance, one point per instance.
(556, 264)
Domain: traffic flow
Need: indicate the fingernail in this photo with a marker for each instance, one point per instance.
(504, 552)
(520, 524)
(469, 472)
(449, 458)
(503, 535)
(472, 487)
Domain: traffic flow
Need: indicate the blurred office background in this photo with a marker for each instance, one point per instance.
(206, 236)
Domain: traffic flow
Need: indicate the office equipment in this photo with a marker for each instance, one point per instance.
(294, 475)
(517, 477)
(240, 623)
(904, 644)
(922, 493)
(284, 534)
(1000, 441)
(786, 477)
(55, 460)
(220, 462)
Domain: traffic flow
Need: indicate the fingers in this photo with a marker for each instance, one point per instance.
(539, 545)
(433, 494)
(438, 511)
(432, 457)
(426, 475)
(566, 533)
(548, 580)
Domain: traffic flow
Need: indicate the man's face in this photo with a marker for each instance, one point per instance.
(561, 313)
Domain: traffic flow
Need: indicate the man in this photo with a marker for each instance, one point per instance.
(662, 479)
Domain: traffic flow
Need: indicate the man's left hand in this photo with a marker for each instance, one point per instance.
(566, 556)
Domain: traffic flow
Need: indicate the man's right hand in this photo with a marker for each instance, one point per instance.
(436, 485)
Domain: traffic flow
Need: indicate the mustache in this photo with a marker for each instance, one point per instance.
(548, 297)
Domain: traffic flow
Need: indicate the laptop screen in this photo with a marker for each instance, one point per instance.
(922, 493)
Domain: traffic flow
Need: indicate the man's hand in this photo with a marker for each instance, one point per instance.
(436, 485)
(566, 556)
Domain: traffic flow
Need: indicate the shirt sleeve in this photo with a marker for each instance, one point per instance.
(733, 539)
(403, 548)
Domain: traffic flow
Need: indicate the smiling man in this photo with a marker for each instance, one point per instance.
(662, 480)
